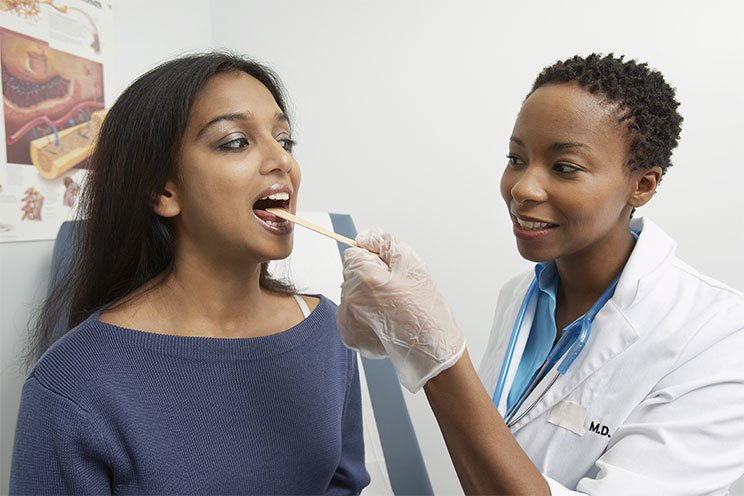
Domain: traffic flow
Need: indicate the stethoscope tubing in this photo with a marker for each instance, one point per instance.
(513, 342)
(569, 355)
(555, 354)
(510, 421)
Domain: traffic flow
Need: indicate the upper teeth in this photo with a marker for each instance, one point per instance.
(277, 196)
(526, 224)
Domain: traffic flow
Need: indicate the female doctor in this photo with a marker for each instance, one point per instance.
(613, 367)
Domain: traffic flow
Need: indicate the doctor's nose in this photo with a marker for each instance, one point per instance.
(526, 185)
(276, 159)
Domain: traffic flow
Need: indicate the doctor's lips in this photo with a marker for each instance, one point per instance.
(530, 228)
(275, 197)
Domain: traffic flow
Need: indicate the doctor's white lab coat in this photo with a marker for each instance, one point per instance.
(655, 402)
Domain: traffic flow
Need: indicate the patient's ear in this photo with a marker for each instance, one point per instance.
(166, 204)
(645, 183)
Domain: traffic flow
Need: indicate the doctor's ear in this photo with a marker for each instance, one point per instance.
(645, 182)
(166, 204)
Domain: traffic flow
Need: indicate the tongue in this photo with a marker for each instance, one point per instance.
(264, 215)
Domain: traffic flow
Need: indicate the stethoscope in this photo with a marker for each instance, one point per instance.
(569, 346)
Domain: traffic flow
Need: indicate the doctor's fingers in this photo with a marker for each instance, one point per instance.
(373, 239)
(363, 268)
(383, 243)
(398, 255)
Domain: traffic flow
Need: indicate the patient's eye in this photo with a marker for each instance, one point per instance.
(234, 144)
(288, 144)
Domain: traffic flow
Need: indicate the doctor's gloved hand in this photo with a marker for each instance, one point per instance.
(390, 307)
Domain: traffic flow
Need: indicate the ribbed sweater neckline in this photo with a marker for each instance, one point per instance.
(211, 348)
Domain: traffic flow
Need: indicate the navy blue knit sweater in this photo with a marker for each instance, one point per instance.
(115, 410)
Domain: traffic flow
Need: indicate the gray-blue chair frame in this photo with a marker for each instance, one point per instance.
(405, 464)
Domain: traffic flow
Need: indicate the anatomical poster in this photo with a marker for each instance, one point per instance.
(53, 55)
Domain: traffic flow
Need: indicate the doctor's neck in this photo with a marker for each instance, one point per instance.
(586, 274)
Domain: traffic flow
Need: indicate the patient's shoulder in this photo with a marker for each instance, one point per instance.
(312, 301)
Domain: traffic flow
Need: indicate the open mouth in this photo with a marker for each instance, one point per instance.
(274, 200)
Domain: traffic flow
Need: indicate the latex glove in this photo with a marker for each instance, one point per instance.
(390, 307)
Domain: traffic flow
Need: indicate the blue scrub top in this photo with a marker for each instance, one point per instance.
(542, 334)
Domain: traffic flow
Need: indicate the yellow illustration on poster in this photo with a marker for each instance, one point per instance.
(52, 55)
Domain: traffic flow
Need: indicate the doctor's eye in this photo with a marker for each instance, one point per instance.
(288, 144)
(514, 161)
(565, 168)
(234, 144)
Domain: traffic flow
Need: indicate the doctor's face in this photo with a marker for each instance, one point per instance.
(566, 183)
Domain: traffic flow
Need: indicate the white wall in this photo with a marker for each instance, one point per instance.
(403, 111)
(146, 32)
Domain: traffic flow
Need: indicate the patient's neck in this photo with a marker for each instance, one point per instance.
(203, 296)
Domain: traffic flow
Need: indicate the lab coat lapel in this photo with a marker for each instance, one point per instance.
(611, 335)
(612, 332)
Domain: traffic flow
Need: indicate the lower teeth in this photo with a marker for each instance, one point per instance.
(275, 224)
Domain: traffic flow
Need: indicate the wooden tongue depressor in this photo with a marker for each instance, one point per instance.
(293, 218)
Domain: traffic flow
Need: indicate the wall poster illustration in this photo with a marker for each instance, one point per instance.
(52, 55)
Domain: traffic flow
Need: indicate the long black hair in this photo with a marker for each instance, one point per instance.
(123, 244)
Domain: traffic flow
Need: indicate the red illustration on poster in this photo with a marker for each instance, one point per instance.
(52, 103)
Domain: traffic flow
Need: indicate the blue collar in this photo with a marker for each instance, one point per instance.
(547, 277)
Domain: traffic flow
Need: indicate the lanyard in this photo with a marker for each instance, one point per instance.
(572, 342)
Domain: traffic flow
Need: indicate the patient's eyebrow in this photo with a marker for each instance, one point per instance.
(232, 117)
(238, 117)
(281, 117)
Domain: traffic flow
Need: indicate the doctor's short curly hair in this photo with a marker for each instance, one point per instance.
(646, 102)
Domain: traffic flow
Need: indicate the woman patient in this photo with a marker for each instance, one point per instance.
(188, 369)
